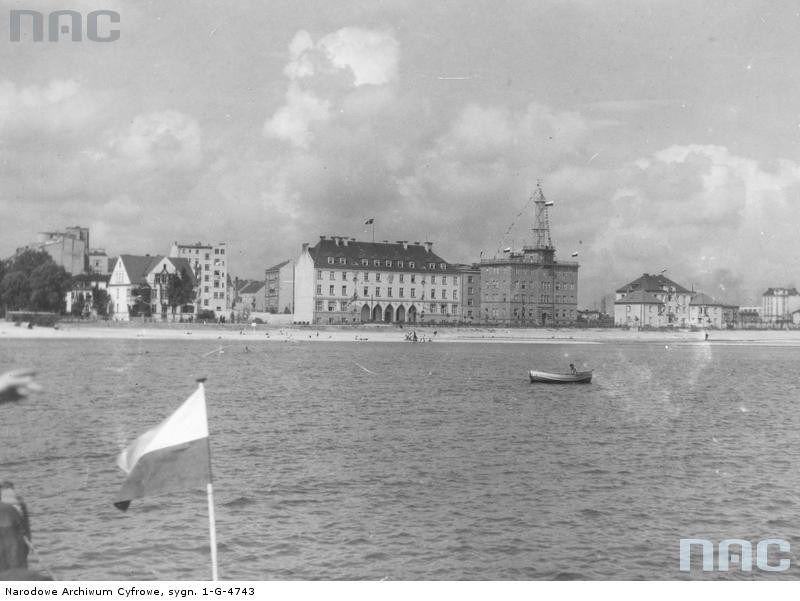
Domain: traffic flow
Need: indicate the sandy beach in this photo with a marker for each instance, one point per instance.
(381, 333)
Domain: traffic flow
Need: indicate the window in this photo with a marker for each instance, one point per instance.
(469, 302)
(344, 290)
(216, 251)
(366, 276)
(411, 265)
(388, 263)
(342, 261)
(376, 262)
(399, 263)
(444, 279)
(344, 276)
(469, 279)
(330, 290)
(400, 277)
(332, 275)
(377, 277)
(455, 279)
(470, 290)
(455, 294)
(205, 278)
(433, 292)
(365, 262)
(413, 278)
(208, 256)
(444, 294)
(442, 265)
(331, 305)
(390, 278)
(205, 289)
(413, 293)
(319, 274)
(389, 292)
(433, 279)
(377, 290)
(366, 291)
(401, 293)
(318, 305)
(330, 260)
(319, 288)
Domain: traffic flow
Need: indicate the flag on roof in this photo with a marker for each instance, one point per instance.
(368, 221)
(172, 456)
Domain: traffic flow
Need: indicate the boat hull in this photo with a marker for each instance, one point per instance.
(582, 377)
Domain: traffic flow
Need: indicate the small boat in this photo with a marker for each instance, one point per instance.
(581, 377)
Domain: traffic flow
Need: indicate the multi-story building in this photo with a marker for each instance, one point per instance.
(778, 305)
(69, 248)
(470, 293)
(279, 281)
(341, 280)
(529, 287)
(210, 267)
(654, 301)
(100, 262)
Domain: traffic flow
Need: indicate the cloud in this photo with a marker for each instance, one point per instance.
(61, 107)
(325, 79)
(162, 140)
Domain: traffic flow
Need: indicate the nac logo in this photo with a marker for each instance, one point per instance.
(66, 22)
(741, 559)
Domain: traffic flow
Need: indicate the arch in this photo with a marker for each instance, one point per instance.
(401, 314)
(412, 314)
(365, 313)
(388, 314)
(377, 313)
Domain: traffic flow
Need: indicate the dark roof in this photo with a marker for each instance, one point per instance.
(651, 283)
(639, 297)
(354, 252)
(186, 264)
(278, 266)
(251, 287)
(137, 266)
(773, 291)
(704, 299)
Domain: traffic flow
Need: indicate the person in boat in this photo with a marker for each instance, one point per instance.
(572, 369)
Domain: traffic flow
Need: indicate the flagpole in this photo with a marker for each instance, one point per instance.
(212, 527)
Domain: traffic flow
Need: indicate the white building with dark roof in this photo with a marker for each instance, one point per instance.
(654, 301)
(143, 281)
(341, 280)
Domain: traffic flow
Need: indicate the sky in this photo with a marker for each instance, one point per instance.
(665, 132)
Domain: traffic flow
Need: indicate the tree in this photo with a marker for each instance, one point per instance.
(141, 301)
(49, 283)
(16, 290)
(100, 299)
(180, 290)
(32, 280)
(78, 305)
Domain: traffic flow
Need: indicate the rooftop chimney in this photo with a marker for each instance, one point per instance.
(428, 246)
(404, 243)
(305, 246)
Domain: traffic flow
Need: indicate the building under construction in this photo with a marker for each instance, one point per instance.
(529, 287)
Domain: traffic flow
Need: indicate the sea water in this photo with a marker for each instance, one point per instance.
(346, 460)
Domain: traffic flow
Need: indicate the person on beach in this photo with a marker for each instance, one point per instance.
(572, 369)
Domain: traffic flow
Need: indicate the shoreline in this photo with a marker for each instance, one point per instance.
(381, 333)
